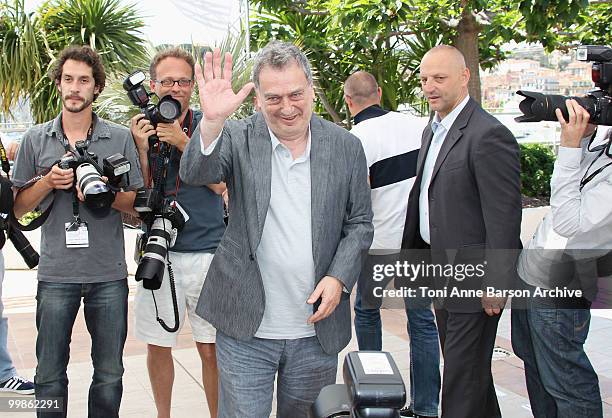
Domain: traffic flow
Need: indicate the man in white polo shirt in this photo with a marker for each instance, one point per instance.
(391, 142)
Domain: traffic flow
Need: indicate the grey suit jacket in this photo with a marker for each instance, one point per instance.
(233, 298)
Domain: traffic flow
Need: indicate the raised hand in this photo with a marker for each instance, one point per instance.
(217, 99)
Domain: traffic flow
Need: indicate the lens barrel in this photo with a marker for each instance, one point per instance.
(153, 262)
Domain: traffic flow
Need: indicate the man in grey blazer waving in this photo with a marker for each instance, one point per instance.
(300, 216)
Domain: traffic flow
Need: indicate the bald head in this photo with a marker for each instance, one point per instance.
(451, 55)
(360, 91)
(444, 79)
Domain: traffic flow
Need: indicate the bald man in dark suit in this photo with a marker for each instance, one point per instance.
(466, 197)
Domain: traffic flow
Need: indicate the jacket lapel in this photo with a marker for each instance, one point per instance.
(320, 150)
(425, 143)
(455, 133)
(260, 151)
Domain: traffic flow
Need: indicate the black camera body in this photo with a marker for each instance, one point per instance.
(99, 195)
(167, 110)
(598, 102)
(373, 388)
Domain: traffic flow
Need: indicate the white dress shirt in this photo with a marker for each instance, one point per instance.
(440, 128)
(579, 219)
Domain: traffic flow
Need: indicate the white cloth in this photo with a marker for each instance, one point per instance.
(284, 253)
(189, 274)
(383, 138)
(578, 220)
(440, 128)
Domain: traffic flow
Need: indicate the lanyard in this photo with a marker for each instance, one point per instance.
(586, 178)
(75, 199)
(187, 127)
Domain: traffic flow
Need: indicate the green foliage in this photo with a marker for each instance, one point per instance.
(113, 104)
(27, 218)
(537, 163)
(20, 56)
(595, 26)
(31, 43)
(389, 37)
(341, 37)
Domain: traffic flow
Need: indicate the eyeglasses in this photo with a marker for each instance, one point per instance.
(168, 82)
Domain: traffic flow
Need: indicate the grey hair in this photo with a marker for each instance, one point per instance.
(279, 55)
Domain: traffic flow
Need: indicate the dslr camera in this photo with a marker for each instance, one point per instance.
(598, 102)
(165, 220)
(166, 110)
(373, 388)
(99, 195)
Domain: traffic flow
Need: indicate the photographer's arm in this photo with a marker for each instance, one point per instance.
(569, 206)
(28, 199)
(141, 129)
(124, 202)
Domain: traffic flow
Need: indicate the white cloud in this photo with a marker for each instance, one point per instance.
(181, 21)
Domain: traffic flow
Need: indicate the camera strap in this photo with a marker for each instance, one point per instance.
(187, 127)
(586, 178)
(68, 148)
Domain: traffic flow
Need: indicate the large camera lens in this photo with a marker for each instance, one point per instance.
(153, 263)
(97, 195)
(538, 106)
(169, 108)
(21, 244)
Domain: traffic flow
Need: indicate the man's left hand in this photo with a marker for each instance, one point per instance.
(173, 134)
(329, 291)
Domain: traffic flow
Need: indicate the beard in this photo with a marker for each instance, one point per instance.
(78, 107)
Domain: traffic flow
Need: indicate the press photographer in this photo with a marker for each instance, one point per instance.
(82, 245)
(564, 251)
(175, 257)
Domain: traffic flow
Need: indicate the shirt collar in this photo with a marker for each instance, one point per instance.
(449, 119)
(369, 112)
(101, 129)
(276, 142)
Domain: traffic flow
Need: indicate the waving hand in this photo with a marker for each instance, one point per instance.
(217, 99)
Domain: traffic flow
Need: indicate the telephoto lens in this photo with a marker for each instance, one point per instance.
(23, 246)
(98, 197)
(153, 262)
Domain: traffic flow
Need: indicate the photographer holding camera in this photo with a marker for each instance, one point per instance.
(82, 244)
(172, 74)
(549, 333)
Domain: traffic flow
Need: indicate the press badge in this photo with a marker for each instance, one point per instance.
(77, 235)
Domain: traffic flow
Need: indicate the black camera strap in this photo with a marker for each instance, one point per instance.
(66, 143)
(164, 151)
(586, 178)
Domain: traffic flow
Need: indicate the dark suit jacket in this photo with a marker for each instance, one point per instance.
(474, 193)
(232, 298)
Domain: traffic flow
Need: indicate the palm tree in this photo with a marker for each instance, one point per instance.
(110, 28)
(113, 103)
(20, 60)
